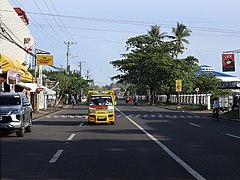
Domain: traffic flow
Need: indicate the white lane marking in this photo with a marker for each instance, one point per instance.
(231, 135)
(81, 124)
(71, 137)
(168, 151)
(56, 156)
(196, 125)
(196, 116)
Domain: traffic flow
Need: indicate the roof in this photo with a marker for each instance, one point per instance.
(211, 70)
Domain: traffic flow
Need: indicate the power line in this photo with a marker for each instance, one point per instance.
(47, 20)
(38, 26)
(54, 18)
(141, 23)
(71, 37)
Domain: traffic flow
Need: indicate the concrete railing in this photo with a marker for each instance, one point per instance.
(198, 99)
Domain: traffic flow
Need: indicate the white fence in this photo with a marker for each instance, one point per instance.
(198, 99)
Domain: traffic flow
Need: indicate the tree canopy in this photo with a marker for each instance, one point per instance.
(151, 62)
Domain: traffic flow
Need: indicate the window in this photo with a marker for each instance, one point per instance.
(10, 100)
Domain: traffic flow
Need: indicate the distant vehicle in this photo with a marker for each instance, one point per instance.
(101, 106)
(15, 114)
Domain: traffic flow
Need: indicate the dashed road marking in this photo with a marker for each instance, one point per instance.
(231, 135)
(71, 137)
(56, 156)
(130, 115)
(196, 125)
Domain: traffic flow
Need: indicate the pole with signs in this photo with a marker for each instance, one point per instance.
(229, 65)
(178, 90)
(197, 90)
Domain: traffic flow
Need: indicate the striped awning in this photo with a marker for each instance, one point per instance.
(15, 65)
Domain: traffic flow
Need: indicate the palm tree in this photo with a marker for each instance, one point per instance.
(179, 38)
(156, 34)
(179, 35)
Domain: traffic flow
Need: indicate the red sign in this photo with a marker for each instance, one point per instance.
(228, 62)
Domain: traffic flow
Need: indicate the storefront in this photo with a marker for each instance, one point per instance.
(23, 75)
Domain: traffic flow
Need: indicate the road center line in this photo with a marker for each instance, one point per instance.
(71, 137)
(56, 156)
(168, 151)
(231, 135)
(195, 125)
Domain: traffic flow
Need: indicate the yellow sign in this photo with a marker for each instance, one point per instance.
(45, 60)
(178, 85)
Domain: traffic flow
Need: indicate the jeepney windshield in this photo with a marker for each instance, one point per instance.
(101, 100)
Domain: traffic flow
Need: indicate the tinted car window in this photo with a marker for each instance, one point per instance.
(10, 100)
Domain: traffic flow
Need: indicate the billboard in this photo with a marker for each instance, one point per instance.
(45, 60)
(228, 62)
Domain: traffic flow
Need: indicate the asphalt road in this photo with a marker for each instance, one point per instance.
(145, 143)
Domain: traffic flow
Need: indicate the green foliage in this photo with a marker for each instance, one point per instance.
(68, 83)
(151, 62)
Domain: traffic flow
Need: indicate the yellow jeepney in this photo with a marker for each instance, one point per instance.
(101, 106)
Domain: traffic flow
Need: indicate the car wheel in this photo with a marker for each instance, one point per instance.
(21, 131)
(112, 123)
(29, 128)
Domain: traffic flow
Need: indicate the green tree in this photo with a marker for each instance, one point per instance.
(146, 62)
(151, 63)
(180, 33)
(68, 83)
(209, 83)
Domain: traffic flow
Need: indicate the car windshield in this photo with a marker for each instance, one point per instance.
(101, 100)
(9, 100)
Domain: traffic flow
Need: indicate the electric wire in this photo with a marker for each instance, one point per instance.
(64, 26)
(54, 19)
(141, 23)
(47, 21)
(38, 26)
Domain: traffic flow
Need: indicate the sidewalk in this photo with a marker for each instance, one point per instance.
(42, 113)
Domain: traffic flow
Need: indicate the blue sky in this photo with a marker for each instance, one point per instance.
(101, 27)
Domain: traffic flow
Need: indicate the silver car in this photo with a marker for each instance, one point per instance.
(15, 114)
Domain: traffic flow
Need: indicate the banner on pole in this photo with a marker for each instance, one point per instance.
(228, 62)
(178, 85)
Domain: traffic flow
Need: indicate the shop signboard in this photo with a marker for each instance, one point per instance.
(45, 60)
(11, 77)
(228, 62)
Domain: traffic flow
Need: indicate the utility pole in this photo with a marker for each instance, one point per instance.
(68, 55)
(88, 76)
(80, 66)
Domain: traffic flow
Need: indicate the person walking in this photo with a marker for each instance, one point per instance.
(73, 101)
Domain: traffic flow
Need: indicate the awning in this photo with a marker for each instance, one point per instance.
(15, 65)
(31, 86)
(49, 91)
